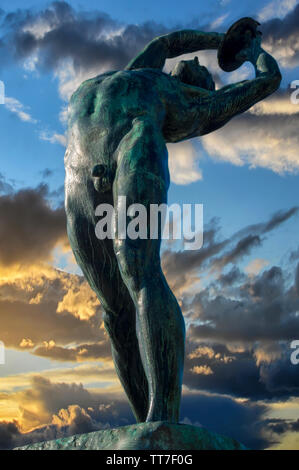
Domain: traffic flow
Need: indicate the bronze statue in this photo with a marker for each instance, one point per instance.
(119, 124)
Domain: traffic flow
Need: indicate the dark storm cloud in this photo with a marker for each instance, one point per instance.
(84, 352)
(179, 265)
(279, 218)
(242, 248)
(41, 322)
(80, 36)
(241, 421)
(240, 344)
(71, 409)
(265, 310)
(281, 376)
(253, 316)
(234, 374)
(282, 28)
(61, 32)
(29, 227)
(32, 304)
(280, 426)
(215, 369)
(33, 310)
(9, 433)
(233, 276)
(284, 33)
(275, 221)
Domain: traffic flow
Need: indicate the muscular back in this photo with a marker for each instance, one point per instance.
(101, 112)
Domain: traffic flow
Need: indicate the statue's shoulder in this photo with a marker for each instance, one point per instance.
(89, 86)
(81, 101)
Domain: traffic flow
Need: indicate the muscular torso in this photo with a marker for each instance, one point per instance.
(102, 110)
(101, 115)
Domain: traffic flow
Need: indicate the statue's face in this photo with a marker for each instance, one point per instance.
(192, 73)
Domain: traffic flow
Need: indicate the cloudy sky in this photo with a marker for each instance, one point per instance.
(239, 293)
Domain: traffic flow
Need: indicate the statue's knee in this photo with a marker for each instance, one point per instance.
(129, 253)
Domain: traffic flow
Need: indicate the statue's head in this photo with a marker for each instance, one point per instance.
(192, 73)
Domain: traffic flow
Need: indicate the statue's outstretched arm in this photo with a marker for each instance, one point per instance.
(239, 97)
(172, 45)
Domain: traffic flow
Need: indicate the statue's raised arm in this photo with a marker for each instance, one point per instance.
(239, 97)
(172, 45)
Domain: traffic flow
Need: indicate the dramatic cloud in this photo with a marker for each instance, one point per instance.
(260, 139)
(29, 227)
(57, 409)
(282, 38)
(241, 334)
(82, 353)
(241, 421)
(276, 8)
(51, 309)
(183, 268)
(9, 433)
(73, 43)
(76, 45)
(240, 320)
(240, 323)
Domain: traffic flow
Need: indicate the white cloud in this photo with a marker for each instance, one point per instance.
(70, 79)
(284, 51)
(16, 107)
(276, 8)
(182, 163)
(38, 28)
(63, 115)
(53, 138)
(31, 63)
(218, 22)
(277, 105)
(266, 136)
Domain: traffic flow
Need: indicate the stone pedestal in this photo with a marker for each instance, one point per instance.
(158, 435)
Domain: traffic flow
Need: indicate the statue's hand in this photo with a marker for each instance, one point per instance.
(252, 52)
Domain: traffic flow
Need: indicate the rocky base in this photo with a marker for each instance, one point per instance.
(158, 435)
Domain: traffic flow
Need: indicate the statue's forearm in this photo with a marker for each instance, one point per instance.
(189, 40)
(239, 97)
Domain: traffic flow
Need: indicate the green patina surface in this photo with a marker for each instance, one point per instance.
(143, 436)
(119, 125)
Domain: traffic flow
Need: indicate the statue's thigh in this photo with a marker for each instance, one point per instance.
(142, 178)
(142, 173)
(98, 262)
